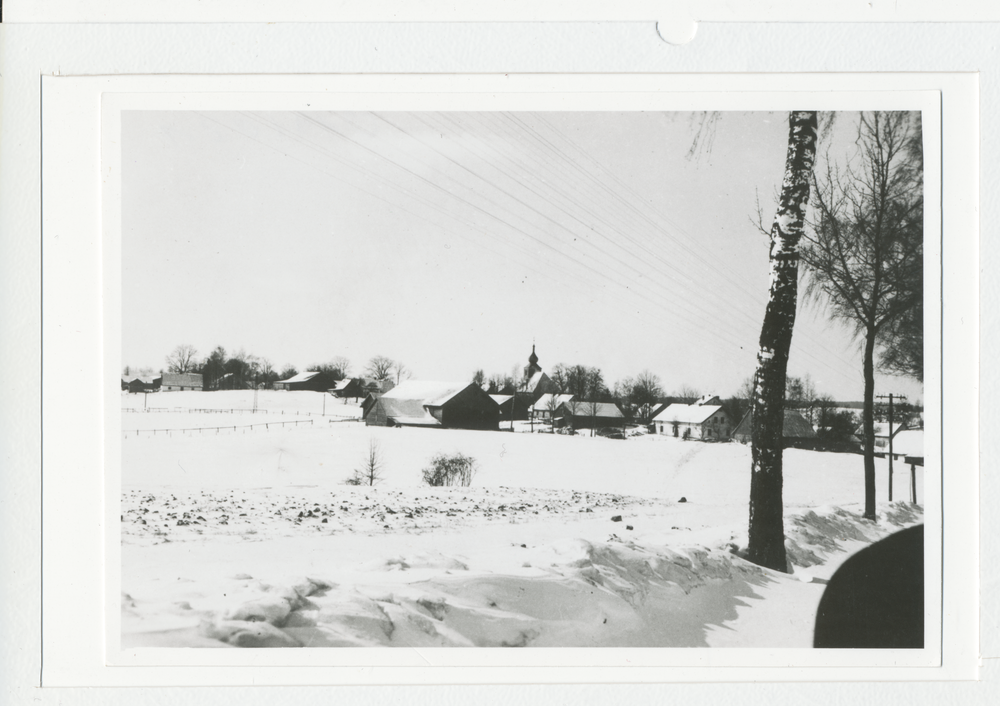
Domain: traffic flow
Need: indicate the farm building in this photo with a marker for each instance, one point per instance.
(512, 406)
(349, 387)
(796, 429)
(425, 403)
(546, 405)
(368, 402)
(591, 415)
(141, 383)
(181, 381)
(310, 380)
(705, 419)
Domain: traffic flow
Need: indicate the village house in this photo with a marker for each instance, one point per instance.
(425, 403)
(796, 429)
(181, 381)
(545, 407)
(309, 380)
(705, 420)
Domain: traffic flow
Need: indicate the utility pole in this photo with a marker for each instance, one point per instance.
(513, 408)
(890, 397)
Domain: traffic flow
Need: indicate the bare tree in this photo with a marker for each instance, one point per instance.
(380, 368)
(623, 393)
(766, 542)
(182, 359)
(370, 471)
(337, 369)
(688, 393)
(341, 367)
(552, 406)
(558, 376)
(646, 391)
(400, 371)
(865, 251)
(903, 340)
(593, 407)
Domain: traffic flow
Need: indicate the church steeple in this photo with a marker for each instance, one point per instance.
(533, 366)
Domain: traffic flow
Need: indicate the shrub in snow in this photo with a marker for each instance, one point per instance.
(456, 469)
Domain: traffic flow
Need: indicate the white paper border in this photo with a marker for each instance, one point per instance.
(170, 95)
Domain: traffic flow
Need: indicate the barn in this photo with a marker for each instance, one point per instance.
(591, 415)
(309, 380)
(427, 403)
(706, 420)
(181, 381)
(141, 383)
(349, 387)
(795, 430)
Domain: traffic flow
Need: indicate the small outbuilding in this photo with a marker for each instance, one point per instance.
(547, 405)
(172, 382)
(796, 429)
(427, 403)
(706, 420)
(310, 380)
(591, 415)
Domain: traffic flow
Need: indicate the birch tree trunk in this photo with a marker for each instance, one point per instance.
(868, 423)
(766, 545)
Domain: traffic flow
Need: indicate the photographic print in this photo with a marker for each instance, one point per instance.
(521, 378)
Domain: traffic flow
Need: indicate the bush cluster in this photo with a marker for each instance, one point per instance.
(456, 469)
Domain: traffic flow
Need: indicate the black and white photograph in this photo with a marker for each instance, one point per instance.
(522, 378)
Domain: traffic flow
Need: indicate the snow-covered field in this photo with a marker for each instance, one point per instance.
(249, 537)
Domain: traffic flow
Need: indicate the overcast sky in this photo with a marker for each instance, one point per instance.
(452, 241)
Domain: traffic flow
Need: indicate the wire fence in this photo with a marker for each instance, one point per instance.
(234, 410)
(217, 430)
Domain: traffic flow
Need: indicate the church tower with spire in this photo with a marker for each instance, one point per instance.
(532, 367)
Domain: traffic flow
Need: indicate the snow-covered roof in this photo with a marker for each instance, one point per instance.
(500, 399)
(687, 413)
(302, 377)
(882, 429)
(909, 442)
(182, 378)
(545, 402)
(409, 402)
(147, 379)
(432, 393)
(606, 410)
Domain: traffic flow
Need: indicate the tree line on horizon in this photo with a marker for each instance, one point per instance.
(242, 370)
